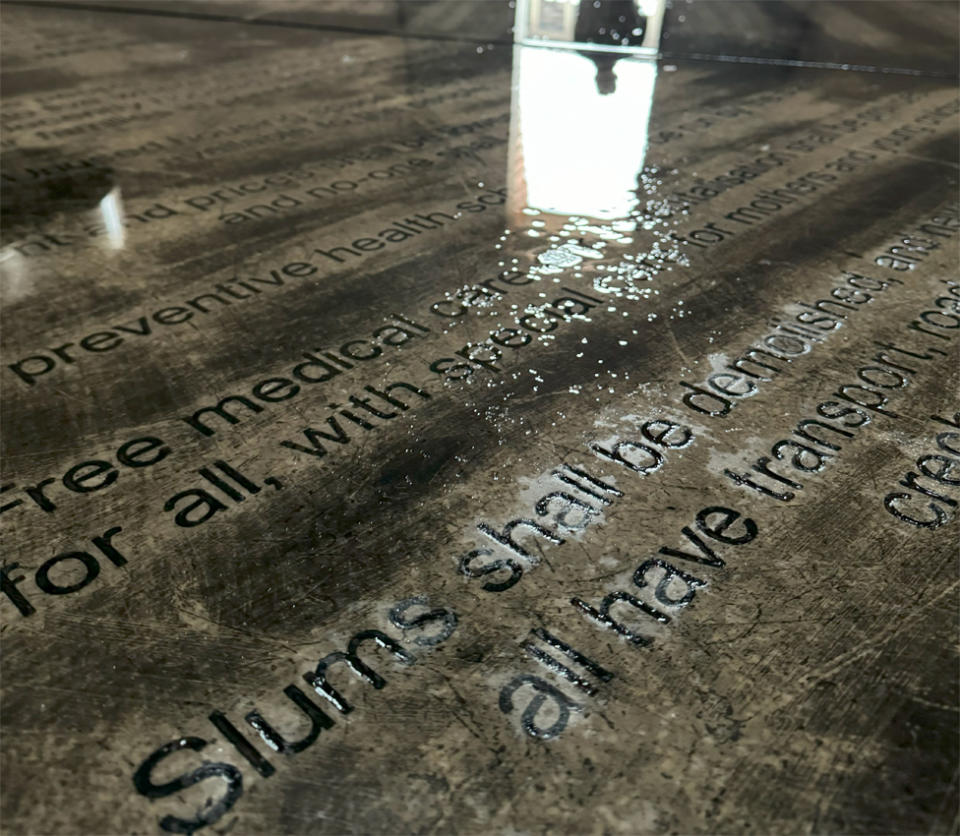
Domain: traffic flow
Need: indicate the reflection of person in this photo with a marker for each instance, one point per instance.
(612, 23)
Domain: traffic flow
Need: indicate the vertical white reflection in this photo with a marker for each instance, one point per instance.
(111, 208)
(15, 281)
(578, 131)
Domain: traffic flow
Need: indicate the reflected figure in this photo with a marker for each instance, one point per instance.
(611, 23)
(606, 77)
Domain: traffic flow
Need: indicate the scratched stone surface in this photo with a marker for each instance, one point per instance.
(406, 430)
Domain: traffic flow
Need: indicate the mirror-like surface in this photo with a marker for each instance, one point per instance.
(407, 430)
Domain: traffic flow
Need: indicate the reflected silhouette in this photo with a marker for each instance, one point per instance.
(613, 23)
(606, 78)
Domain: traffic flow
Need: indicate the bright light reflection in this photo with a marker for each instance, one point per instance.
(111, 208)
(14, 277)
(575, 150)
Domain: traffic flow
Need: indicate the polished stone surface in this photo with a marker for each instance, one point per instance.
(357, 362)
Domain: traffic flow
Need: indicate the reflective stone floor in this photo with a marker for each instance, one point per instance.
(445, 417)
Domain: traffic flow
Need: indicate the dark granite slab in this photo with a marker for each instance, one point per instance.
(407, 432)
